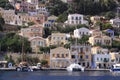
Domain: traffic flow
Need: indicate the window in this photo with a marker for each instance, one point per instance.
(61, 38)
(83, 64)
(87, 56)
(58, 38)
(97, 59)
(58, 55)
(72, 18)
(80, 33)
(83, 33)
(66, 55)
(101, 59)
(87, 33)
(81, 57)
(39, 43)
(116, 59)
(73, 56)
(62, 55)
(53, 38)
(34, 43)
(79, 18)
(81, 50)
(86, 49)
(76, 18)
(53, 55)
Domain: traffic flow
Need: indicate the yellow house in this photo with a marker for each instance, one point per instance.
(101, 40)
(32, 31)
(58, 39)
(59, 58)
(36, 43)
(96, 50)
(99, 50)
(95, 19)
(96, 33)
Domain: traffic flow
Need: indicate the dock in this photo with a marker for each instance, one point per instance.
(7, 69)
(49, 69)
(97, 69)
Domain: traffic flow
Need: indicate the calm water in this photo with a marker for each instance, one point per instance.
(59, 75)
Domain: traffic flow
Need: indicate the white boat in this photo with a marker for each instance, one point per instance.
(37, 67)
(115, 68)
(75, 67)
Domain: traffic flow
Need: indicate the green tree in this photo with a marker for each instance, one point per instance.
(47, 32)
(30, 23)
(92, 7)
(107, 26)
(9, 59)
(62, 17)
(109, 15)
(5, 4)
(67, 45)
(116, 44)
(2, 22)
(58, 7)
(44, 62)
(1, 28)
(45, 49)
(12, 42)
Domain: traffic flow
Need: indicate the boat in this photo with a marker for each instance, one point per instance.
(37, 67)
(23, 67)
(75, 67)
(115, 68)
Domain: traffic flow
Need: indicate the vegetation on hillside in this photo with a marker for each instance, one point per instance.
(14, 43)
(86, 7)
(5, 4)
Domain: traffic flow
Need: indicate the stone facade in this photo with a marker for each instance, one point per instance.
(59, 58)
(81, 54)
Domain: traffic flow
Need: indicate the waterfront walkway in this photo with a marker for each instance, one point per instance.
(13, 69)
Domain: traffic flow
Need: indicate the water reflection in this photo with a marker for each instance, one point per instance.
(59, 75)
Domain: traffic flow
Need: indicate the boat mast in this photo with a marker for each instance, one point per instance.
(76, 56)
(23, 55)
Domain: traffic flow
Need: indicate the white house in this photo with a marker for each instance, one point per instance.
(67, 1)
(101, 60)
(78, 33)
(47, 24)
(42, 9)
(76, 19)
(115, 22)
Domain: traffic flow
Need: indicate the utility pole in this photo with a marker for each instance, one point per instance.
(22, 54)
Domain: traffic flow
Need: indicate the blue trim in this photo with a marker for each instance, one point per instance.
(115, 69)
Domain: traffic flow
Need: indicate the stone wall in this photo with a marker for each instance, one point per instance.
(40, 56)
